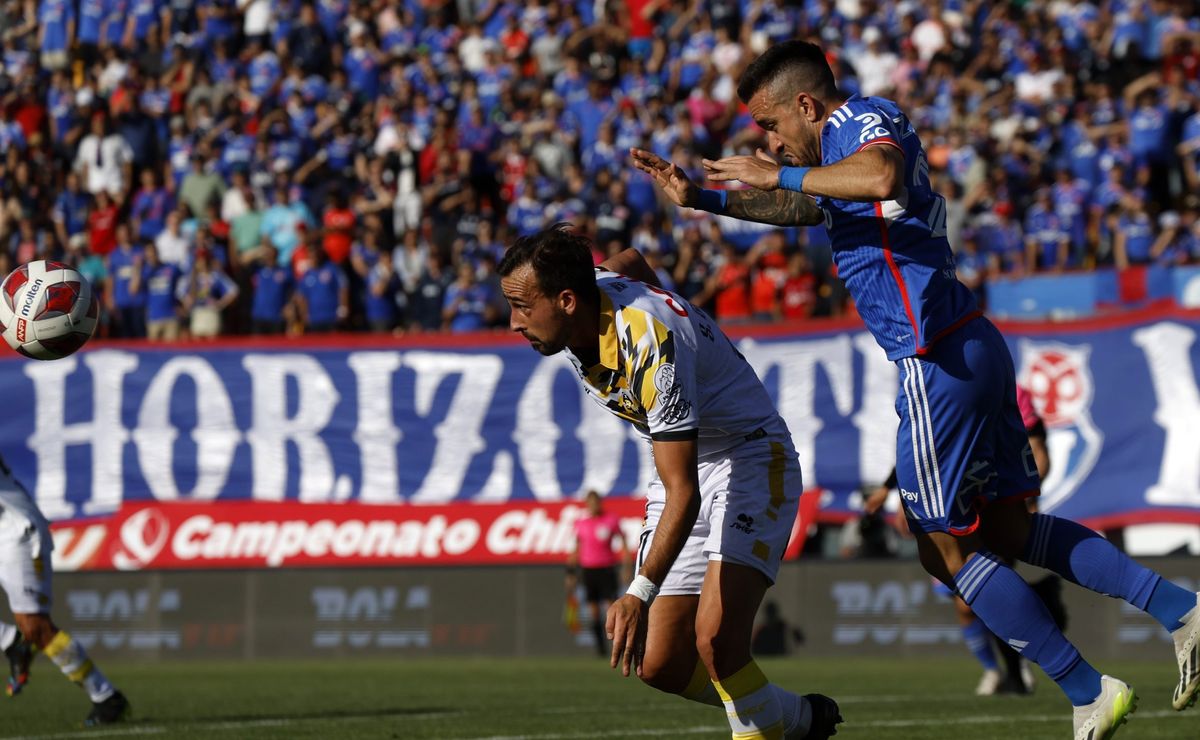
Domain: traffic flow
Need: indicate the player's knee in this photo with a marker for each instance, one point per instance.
(665, 676)
(1005, 528)
(722, 653)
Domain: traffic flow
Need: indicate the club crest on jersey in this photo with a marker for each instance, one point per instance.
(1059, 380)
(664, 378)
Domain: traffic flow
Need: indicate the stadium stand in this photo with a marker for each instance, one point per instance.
(243, 136)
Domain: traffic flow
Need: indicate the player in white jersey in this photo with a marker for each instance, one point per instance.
(719, 513)
(25, 574)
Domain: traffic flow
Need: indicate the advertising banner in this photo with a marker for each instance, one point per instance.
(482, 419)
(272, 535)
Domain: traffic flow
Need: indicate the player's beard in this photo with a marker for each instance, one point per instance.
(545, 346)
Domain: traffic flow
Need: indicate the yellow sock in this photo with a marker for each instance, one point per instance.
(751, 705)
(700, 689)
(73, 661)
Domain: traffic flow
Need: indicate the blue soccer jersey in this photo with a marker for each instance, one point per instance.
(893, 255)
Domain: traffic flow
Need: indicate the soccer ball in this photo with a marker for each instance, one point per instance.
(47, 310)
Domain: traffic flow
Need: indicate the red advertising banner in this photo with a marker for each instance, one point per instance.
(171, 536)
(296, 535)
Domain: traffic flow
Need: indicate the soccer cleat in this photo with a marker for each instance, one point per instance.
(113, 709)
(1100, 719)
(989, 683)
(825, 718)
(1187, 653)
(19, 655)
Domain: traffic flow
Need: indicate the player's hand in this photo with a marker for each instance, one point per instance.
(876, 500)
(675, 183)
(626, 627)
(760, 171)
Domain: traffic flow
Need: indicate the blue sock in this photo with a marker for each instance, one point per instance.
(1084, 557)
(1169, 603)
(979, 642)
(1011, 610)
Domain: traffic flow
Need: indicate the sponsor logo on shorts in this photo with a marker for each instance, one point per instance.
(909, 495)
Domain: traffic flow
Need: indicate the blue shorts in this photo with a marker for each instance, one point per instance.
(961, 443)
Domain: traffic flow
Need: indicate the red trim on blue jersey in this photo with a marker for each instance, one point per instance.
(966, 319)
(887, 252)
(889, 141)
(966, 531)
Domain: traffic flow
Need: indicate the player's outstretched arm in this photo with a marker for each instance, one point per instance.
(630, 262)
(670, 177)
(872, 174)
(775, 207)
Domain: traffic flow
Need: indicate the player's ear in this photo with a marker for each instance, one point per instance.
(810, 108)
(567, 302)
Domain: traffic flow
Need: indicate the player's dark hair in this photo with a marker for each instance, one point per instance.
(561, 260)
(803, 60)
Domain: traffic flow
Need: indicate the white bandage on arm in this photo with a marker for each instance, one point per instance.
(643, 588)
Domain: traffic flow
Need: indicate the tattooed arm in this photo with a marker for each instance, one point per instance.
(778, 207)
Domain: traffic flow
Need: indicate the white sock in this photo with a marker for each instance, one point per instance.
(751, 705)
(8, 635)
(72, 660)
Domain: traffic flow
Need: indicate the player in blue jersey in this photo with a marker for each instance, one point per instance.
(963, 461)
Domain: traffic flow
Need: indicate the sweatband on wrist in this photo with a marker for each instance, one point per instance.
(643, 588)
(712, 201)
(792, 178)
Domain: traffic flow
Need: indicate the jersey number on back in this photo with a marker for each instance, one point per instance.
(670, 299)
(937, 212)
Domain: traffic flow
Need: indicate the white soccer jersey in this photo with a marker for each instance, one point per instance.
(667, 367)
(18, 513)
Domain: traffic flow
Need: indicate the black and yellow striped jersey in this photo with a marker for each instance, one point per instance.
(666, 367)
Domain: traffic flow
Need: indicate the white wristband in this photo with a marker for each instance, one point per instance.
(643, 588)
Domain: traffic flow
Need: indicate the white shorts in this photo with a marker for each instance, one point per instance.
(25, 572)
(749, 497)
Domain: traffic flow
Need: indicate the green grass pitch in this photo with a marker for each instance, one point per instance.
(542, 699)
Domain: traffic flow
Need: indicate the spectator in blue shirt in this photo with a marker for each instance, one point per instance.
(56, 32)
(151, 204)
(1133, 236)
(145, 18)
(205, 293)
(126, 299)
(273, 286)
(71, 209)
(468, 305)
(160, 281)
(323, 296)
(427, 298)
(1046, 239)
(383, 287)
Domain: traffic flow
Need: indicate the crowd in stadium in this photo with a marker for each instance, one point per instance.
(229, 166)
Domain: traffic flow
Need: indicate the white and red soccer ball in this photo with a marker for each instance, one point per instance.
(47, 310)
